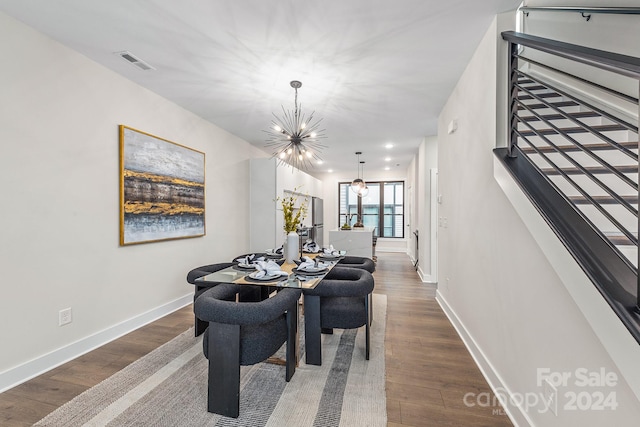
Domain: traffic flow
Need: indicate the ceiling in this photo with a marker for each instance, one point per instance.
(375, 71)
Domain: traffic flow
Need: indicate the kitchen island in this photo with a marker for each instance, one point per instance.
(357, 242)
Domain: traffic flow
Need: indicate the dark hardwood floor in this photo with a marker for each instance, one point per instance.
(429, 370)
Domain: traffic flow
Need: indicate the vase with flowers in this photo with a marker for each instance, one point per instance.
(293, 215)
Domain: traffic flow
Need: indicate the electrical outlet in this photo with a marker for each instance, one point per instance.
(64, 317)
(551, 396)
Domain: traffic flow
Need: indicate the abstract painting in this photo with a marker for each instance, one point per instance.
(161, 189)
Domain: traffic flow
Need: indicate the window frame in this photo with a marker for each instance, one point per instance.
(381, 206)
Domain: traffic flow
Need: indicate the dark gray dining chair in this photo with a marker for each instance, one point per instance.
(243, 333)
(341, 300)
(358, 262)
(248, 293)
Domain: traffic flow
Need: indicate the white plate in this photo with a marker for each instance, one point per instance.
(242, 265)
(328, 256)
(312, 269)
(265, 278)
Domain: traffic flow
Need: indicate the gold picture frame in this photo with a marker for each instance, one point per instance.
(162, 189)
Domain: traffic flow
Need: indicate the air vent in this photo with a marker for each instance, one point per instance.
(129, 57)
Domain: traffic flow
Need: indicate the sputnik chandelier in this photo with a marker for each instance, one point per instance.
(294, 138)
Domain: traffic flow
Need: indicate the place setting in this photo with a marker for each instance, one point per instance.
(248, 263)
(276, 253)
(310, 267)
(266, 271)
(331, 254)
(311, 247)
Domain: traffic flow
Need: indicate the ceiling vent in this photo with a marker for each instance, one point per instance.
(129, 57)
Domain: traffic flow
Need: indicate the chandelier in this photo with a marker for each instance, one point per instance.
(358, 185)
(293, 137)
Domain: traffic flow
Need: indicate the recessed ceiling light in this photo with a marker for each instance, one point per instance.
(387, 168)
(330, 171)
(319, 162)
(389, 145)
(387, 159)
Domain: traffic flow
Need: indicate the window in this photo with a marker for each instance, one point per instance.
(382, 210)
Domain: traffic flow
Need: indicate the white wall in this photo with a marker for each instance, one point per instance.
(59, 118)
(495, 283)
(609, 32)
(270, 182)
(295, 181)
(427, 161)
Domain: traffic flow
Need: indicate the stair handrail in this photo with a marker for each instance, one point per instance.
(612, 62)
(615, 62)
(584, 10)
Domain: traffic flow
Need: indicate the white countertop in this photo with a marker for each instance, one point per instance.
(369, 229)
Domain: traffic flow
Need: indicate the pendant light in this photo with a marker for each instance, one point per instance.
(358, 184)
(364, 191)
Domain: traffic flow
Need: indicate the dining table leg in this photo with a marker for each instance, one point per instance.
(312, 335)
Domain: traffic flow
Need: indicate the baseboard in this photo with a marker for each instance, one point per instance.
(42, 364)
(426, 278)
(516, 414)
(393, 250)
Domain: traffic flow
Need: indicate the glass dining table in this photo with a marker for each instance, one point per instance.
(294, 279)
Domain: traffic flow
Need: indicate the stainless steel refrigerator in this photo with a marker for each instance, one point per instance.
(317, 222)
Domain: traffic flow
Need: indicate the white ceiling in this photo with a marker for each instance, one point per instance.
(376, 71)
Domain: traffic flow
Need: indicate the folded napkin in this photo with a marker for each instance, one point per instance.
(278, 251)
(309, 263)
(249, 259)
(311, 247)
(267, 268)
(330, 251)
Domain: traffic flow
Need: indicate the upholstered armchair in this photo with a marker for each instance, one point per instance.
(243, 333)
(249, 293)
(341, 300)
(358, 262)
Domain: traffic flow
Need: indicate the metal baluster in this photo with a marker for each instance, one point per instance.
(513, 95)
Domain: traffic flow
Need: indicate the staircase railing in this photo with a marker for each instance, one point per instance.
(578, 156)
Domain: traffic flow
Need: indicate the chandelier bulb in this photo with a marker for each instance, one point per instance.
(289, 151)
(277, 128)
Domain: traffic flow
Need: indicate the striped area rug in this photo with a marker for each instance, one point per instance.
(168, 387)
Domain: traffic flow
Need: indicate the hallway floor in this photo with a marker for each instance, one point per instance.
(429, 370)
